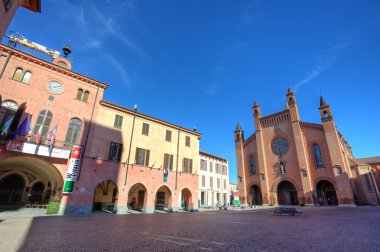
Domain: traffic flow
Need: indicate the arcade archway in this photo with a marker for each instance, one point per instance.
(105, 197)
(27, 181)
(163, 199)
(186, 199)
(255, 197)
(326, 193)
(286, 194)
(137, 197)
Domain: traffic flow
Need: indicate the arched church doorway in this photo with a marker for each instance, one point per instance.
(326, 193)
(186, 199)
(105, 197)
(163, 199)
(287, 194)
(137, 197)
(255, 197)
(36, 193)
(12, 189)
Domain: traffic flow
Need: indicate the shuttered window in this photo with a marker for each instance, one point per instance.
(187, 165)
(142, 157)
(168, 161)
(145, 129)
(118, 123)
(168, 136)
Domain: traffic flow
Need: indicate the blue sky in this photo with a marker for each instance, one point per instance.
(202, 63)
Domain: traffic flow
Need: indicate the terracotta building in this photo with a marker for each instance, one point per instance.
(213, 180)
(290, 162)
(84, 152)
(8, 9)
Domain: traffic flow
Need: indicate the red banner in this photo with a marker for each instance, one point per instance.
(76, 152)
(14, 145)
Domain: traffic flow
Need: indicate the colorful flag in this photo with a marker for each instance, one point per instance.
(7, 124)
(52, 135)
(39, 133)
(23, 129)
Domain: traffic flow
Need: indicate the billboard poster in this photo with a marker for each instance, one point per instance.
(72, 172)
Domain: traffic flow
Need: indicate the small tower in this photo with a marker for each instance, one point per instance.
(324, 110)
(292, 105)
(239, 134)
(241, 172)
(256, 115)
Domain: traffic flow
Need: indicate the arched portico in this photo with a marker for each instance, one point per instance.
(326, 193)
(25, 181)
(105, 197)
(254, 195)
(137, 197)
(163, 199)
(286, 193)
(186, 200)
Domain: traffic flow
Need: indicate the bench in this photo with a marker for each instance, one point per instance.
(291, 211)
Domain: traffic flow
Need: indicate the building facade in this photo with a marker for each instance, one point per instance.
(8, 9)
(290, 162)
(213, 181)
(84, 152)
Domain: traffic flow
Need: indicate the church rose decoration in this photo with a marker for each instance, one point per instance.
(280, 146)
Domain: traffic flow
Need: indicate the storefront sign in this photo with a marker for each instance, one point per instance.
(14, 145)
(72, 172)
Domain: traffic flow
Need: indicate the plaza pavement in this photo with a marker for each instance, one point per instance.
(251, 229)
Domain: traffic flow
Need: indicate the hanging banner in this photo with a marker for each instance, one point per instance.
(236, 198)
(72, 172)
(166, 173)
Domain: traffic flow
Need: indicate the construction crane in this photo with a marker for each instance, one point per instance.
(19, 39)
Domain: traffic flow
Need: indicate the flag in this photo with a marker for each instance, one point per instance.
(38, 137)
(23, 129)
(7, 124)
(52, 135)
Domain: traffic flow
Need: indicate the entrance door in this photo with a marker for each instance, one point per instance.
(287, 194)
(202, 198)
(326, 193)
(160, 204)
(140, 199)
(11, 189)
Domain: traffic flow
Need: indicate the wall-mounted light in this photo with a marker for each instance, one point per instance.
(303, 171)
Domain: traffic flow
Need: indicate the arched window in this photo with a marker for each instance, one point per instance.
(26, 76)
(18, 74)
(73, 131)
(252, 165)
(7, 110)
(85, 96)
(318, 155)
(325, 114)
(79, 94)
(43, 122)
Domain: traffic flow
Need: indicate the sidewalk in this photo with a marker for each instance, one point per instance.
(234, 208)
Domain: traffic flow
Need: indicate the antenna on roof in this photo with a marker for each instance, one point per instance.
(135, 108)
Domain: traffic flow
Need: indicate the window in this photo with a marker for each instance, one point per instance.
(211, 170)
(26, 76)
(217, 168)
(142, 157)
(225, 184)
(82, 95)
(187, 143)
(8, 4)
(79, 94)
(118, 123)
(218, 183)
(252, 170)
(369, 187)
(187, 165)
(145, 129)
(73, 132)
(18, 74)
(318, 156)
(203, 165)
(211, 182)
(224, 170)
(168, 161)
(203, 181)
(43, 121)
(168, 136)
(85, 96)
(115, 152)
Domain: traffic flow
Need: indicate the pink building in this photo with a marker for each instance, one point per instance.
(290, 162)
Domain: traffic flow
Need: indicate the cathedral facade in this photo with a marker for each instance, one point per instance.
(290, 162)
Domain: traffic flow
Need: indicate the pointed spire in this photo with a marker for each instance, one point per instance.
(238, 128)
(322, 102)
(255, 104)
(290, 90)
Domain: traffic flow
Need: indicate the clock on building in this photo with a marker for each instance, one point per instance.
(280, 146)
(55, 87)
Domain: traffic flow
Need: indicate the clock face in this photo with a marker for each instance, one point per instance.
(280, 146)
(55, 87)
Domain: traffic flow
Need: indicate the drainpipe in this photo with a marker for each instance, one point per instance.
(176, 172)
(6, 62)
(130, 146)
(88, 133)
